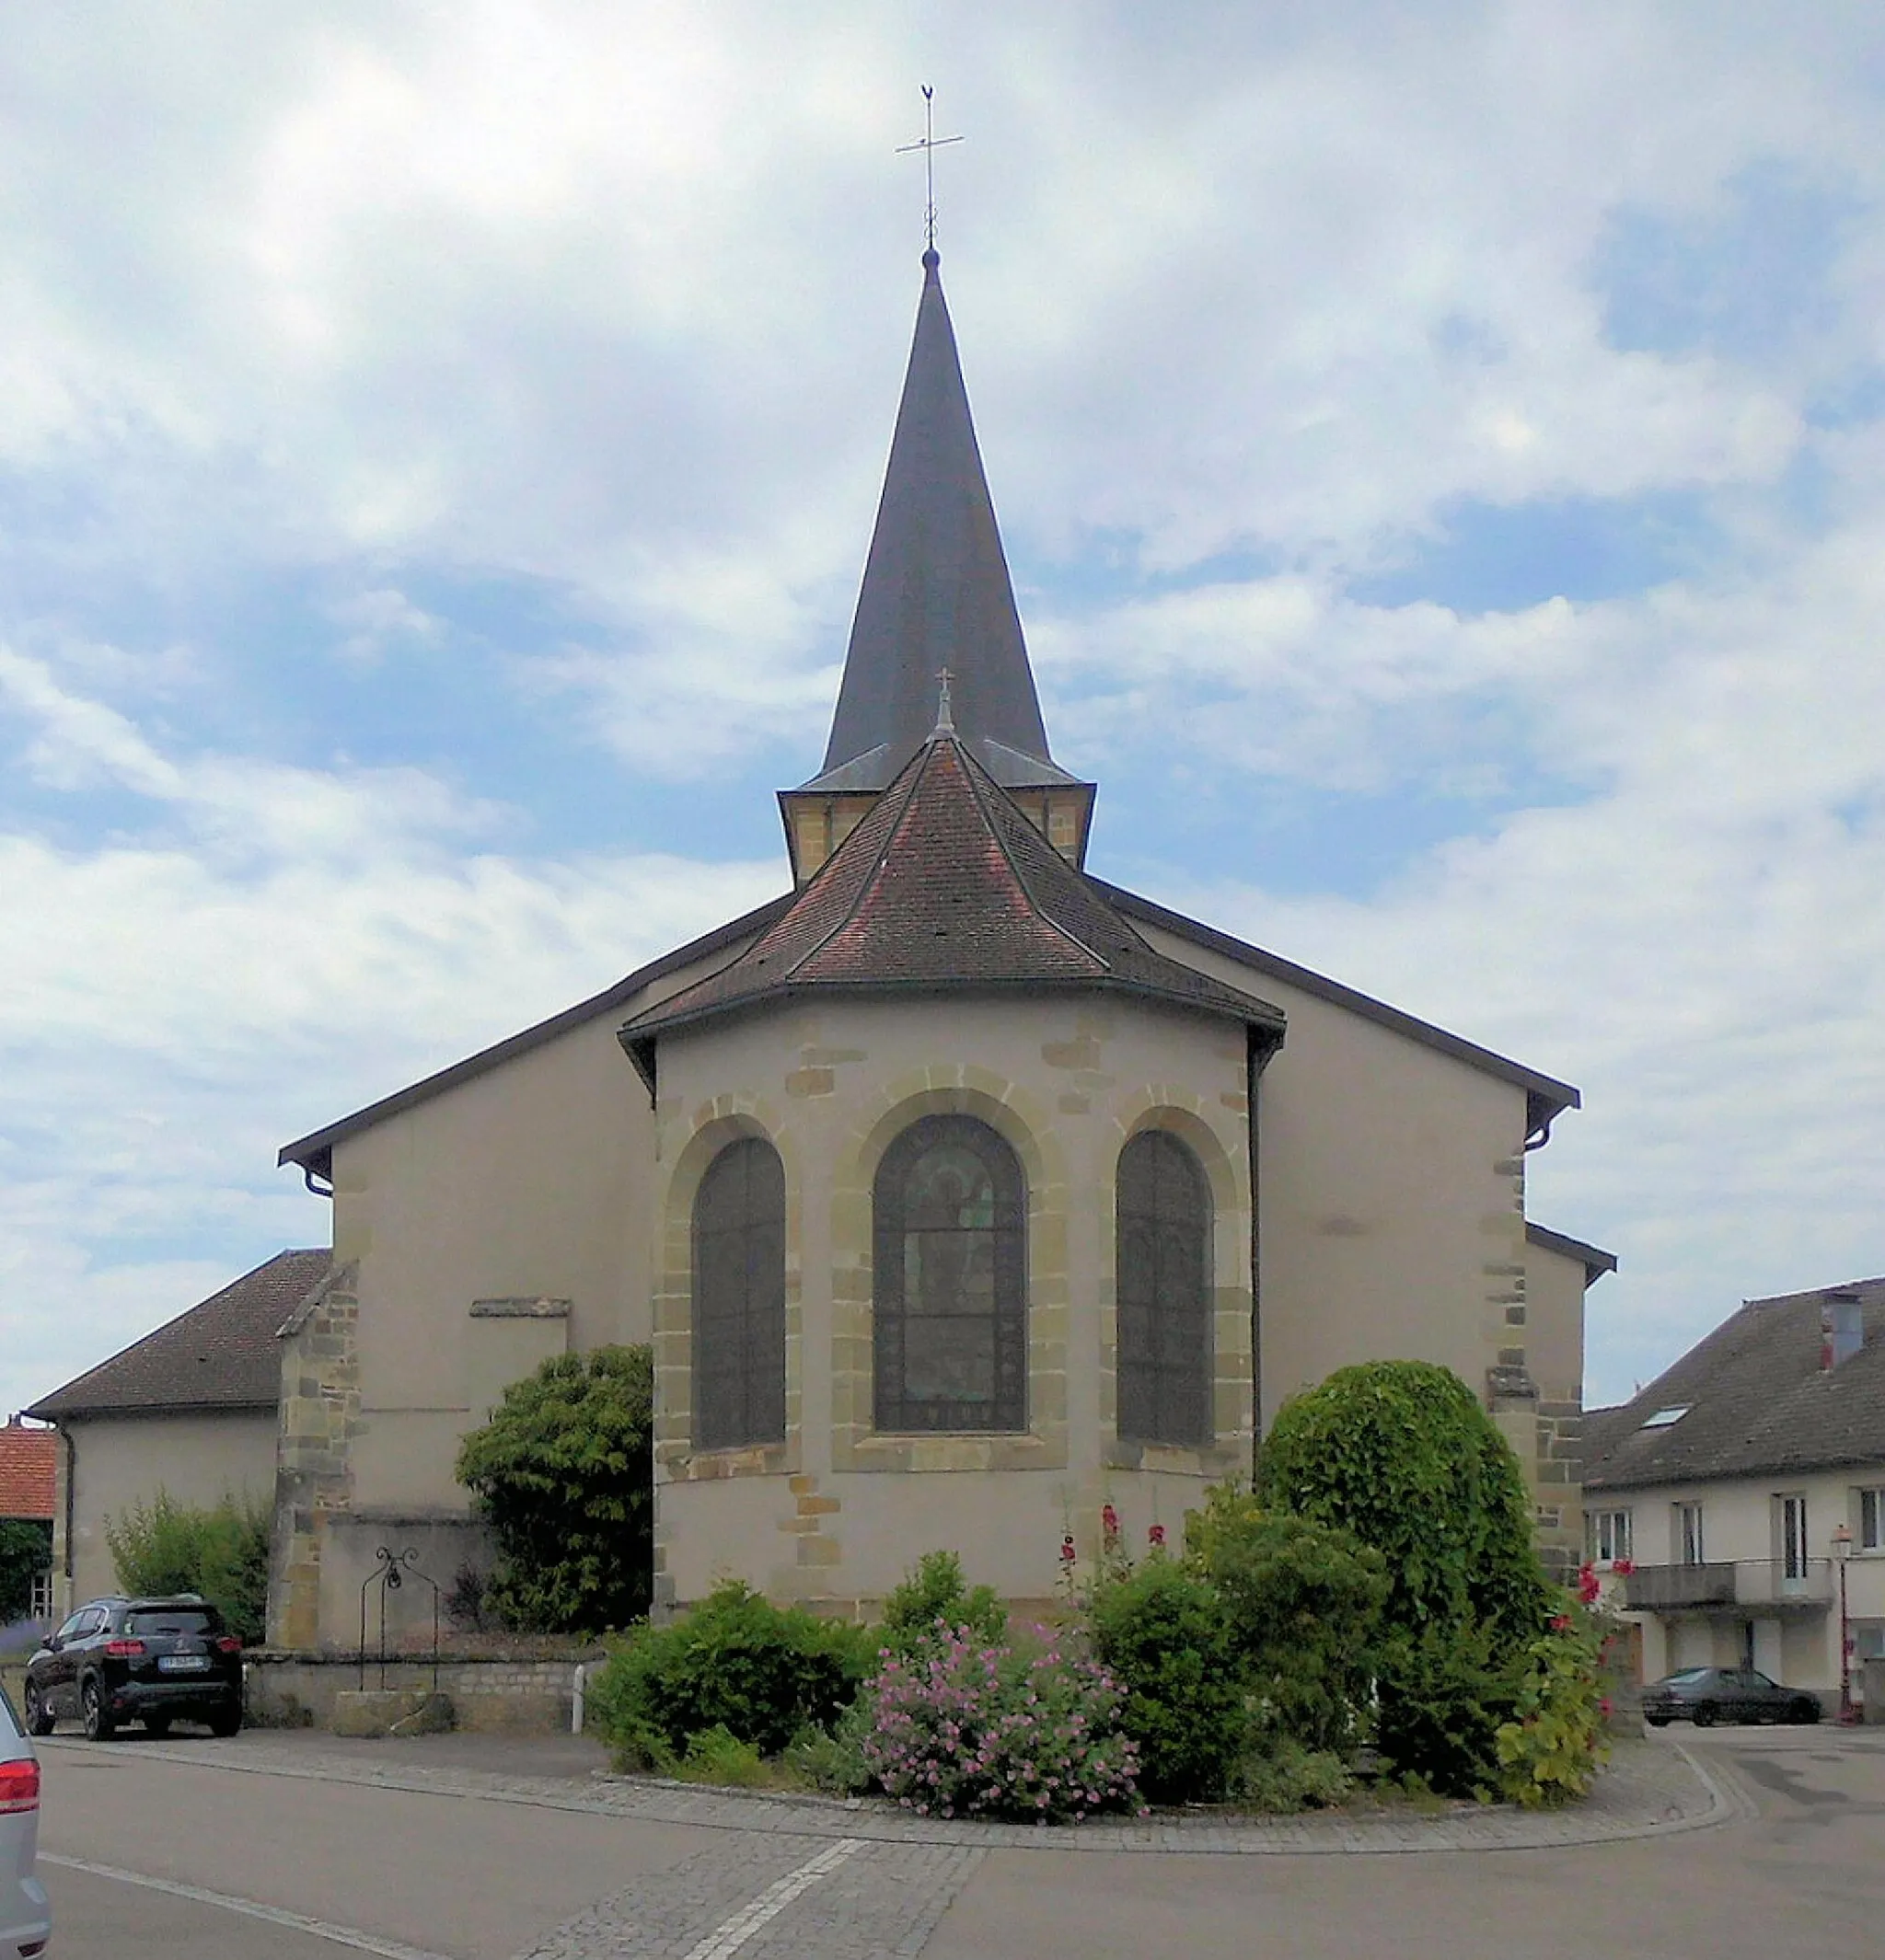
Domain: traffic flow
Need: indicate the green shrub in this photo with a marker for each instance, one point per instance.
(1164, 1633)
(1401, 1454)
(1285, 1776)
(735, 1662)
(832, 1760)
(1443, 1695)
(936, 1592)
(219, 1550)
(563, 1475)
(1303, 1604)
(716, 1756)
(1552, 1749)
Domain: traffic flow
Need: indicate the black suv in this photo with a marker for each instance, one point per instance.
(137, 1660)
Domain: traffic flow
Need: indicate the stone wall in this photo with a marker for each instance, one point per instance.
(488, 1692)
(319, 1415)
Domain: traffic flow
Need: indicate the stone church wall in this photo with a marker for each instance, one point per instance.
(837, 1513)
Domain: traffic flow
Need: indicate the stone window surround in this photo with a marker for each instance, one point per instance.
(1026, 1125)
(1164, 1106)
(725, 1121)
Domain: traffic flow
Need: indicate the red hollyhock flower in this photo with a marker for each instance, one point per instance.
(1066, 1550)
(1156, 1535)
(1562, 1624)
(1109, 1521)
(1623, 1568)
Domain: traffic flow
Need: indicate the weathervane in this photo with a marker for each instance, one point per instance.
(929, 143)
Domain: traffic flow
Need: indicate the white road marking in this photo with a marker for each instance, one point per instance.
(731, 1934)
(365, 1942)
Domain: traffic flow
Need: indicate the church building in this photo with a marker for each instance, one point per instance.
(961, 1193)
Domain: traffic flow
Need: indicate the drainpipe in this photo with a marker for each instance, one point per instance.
(71, 1510)
(1258, 1050)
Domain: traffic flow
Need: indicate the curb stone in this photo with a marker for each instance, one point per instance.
(1651, 1789)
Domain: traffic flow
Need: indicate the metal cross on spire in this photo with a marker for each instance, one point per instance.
(929, 143)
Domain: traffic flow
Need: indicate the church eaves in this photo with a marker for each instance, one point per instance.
(936, 595)
(945, 886)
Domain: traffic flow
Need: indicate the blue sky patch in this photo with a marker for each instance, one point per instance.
(1491, 557)
(1746, 279)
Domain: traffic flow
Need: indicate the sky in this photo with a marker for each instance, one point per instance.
(1439, 452)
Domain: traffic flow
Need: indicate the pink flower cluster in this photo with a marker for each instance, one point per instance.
(967, 1729)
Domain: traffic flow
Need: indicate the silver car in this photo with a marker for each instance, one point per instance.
(26, 1919)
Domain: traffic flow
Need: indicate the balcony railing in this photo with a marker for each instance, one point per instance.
(1738, 1582)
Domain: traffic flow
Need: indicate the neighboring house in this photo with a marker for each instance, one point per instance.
(29, 1476)
(1734, 1485)
(190, 1409)
(960, 1193)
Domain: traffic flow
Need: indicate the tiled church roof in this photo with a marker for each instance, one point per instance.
(946, 886)
(220, 1355)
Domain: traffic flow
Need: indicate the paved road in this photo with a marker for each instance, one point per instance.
(427, 1874)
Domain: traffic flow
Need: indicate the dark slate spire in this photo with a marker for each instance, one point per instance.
(936, 595)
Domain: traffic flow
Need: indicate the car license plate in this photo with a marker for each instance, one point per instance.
(182, 1663)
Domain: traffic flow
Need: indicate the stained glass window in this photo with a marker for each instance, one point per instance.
(1162, 1221)
(951, 1350)
(739, 1298)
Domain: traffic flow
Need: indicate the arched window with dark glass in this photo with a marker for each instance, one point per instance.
(1163, 1225)
(949, 1210)
(739, 1298)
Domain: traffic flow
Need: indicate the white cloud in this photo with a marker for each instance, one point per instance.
(350, 309)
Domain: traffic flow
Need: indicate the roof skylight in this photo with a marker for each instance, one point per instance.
(1664, 1417)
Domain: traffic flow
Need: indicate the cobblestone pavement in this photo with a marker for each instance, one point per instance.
(874, 1902)
(1652, 1787)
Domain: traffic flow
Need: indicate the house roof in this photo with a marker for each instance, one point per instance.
(945, 886)
(936, 594)
(28, 1472)
(1546, 1098)
(220, 1355)
(1756, 1399)
(1595, 1261)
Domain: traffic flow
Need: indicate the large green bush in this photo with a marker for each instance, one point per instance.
(220, 1551)
(1164, 1632)
(563, 1475)
(737, 1662)
(26, 1553)
(1401, 1454)
(1302, 1603)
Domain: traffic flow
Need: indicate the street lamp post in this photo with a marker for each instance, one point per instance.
(1841, 1551)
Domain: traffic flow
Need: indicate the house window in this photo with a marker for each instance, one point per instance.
(1688, 1535)
(739, 1298)
(1162, 1242)
(1872, 1520)
(1793, 1538)
(949, 1218)
(41, 1606)
(1607, 1537)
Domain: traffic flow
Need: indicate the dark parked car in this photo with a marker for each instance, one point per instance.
(137, 1660)
(1724, 1694)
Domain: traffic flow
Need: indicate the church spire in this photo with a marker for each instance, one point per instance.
(936, 592)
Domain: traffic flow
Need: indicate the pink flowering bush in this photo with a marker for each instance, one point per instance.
(966, 1727)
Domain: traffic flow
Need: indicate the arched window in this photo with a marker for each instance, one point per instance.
(739, 1298)
(1163, 1224)
(950, 1207)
